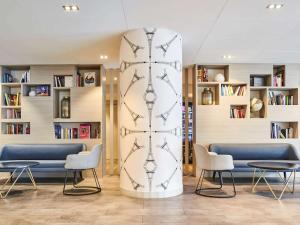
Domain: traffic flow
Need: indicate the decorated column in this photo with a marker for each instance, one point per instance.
(151, 113)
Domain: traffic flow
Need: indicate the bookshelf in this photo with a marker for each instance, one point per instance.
(213, 87)
(40, 113)
(215, 123)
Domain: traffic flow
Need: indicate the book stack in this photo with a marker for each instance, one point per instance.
(79, 80)
(238, 112)
(63, 80)
(25, 78)
(279, 133)
(12, 99)
(280, 99)
(7, 78)
(65, 133)
(278, 80)
(202, 75)
(228, 90)
(17, 128)
(257, 81)
(13, 114)
(83, 132)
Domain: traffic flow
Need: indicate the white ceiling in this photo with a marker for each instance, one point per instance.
(40, 32)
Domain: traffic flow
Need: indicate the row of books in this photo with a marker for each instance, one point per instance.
(83, 132)
(278, 133)
(8, 78)
(13, 114)
(229, 90)
(280, 99)
(238, 112)
(63, 80)
(17, 128)
(12, 99)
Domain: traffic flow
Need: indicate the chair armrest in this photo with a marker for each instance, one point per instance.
(212, 153)
(77, 161)
(221, 162)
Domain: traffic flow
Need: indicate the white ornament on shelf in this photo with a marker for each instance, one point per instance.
(256, 105)
(219, 78)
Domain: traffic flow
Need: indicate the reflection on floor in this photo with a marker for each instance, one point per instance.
(49, 206)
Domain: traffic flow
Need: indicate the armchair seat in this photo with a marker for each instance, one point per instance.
(83, 161)
(207, 161)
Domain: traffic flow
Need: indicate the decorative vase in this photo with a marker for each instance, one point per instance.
(207, 96)
(65, 107)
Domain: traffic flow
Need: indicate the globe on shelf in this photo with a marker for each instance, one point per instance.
(256, 105)
(219, 78)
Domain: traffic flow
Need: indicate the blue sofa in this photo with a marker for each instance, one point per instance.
(50, 156)
(244, 153)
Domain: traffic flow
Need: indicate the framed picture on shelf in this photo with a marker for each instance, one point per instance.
(42, 90)
(89, 79)
(84, 131)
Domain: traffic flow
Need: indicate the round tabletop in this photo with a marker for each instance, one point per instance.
(17, 164)
(273, 165)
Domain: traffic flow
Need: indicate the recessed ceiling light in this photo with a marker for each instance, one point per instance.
(103, 57)
(71, 8)
(274, 6)
(115, 78)
(227, 56)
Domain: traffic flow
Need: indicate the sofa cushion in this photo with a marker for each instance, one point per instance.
(274, 151)
(39, 151)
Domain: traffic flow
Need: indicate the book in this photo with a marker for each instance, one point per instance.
(84, 131)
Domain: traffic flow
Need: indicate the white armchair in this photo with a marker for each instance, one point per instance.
(209, 161)
(88, 160)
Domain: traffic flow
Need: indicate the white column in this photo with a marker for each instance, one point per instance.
(150, 113)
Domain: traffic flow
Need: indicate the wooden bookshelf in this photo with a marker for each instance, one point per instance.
(213, 122)
(284, 129)
(238, 111)
(211, 71)
(41, 113)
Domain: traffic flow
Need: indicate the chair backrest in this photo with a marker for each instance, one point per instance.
(95, 155)
(202, 156)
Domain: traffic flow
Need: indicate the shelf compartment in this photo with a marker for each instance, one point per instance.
(15, 74)
(238, 111)
(283, 96)
(42, 90)
(260, 94)
(15, 128)
(11, 95)
(207, 73)
(260, 80)
(77, 130)
(11, 113)
(87, 76)
(232, 89)
(58, 95)
(284, 130)
(278, 76)
(214, 87)
(63, 81)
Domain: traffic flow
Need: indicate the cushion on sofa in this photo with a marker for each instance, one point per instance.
(274, 151)
(39, 151)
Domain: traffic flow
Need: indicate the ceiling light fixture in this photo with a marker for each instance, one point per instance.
(103, 57)
(274, 6)
(227, 56)
(71, 8)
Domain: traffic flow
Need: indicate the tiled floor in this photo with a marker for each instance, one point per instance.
(49, 206)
